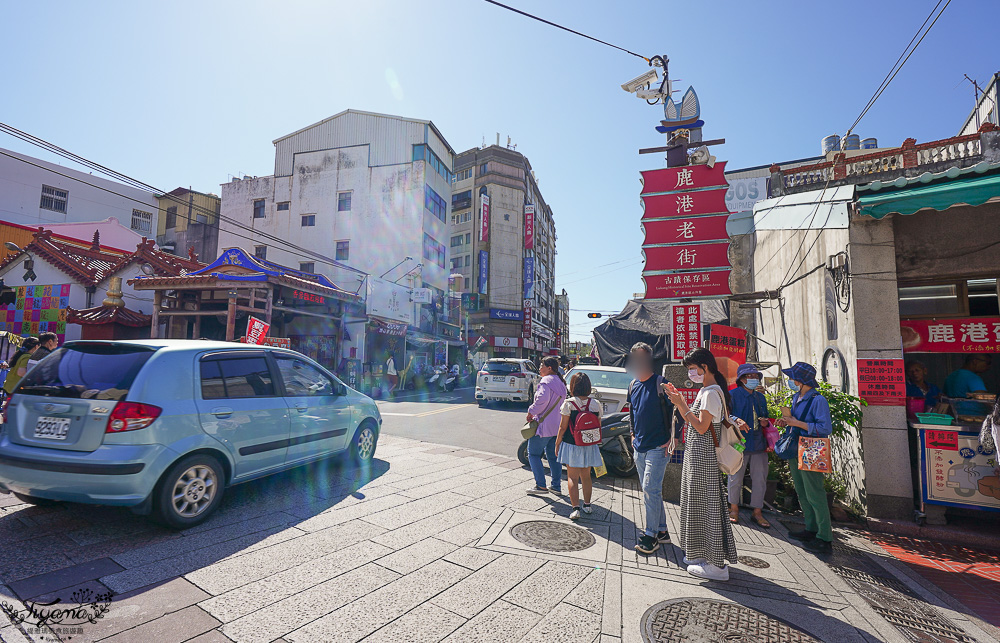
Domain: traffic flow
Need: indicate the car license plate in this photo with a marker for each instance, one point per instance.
(499, 378)
(49, 428)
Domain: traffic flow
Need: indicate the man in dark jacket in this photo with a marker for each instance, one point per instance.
(750, 405)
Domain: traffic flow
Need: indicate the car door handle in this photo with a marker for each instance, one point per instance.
(222, 412)
(301, 408)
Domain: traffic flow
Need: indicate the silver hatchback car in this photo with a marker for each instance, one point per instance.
(163, 426)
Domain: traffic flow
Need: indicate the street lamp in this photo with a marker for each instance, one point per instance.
(405, 259)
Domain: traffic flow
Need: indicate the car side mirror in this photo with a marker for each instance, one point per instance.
(340, 389)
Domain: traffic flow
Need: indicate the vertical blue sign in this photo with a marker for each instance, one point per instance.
(529, 277)
(484, 271)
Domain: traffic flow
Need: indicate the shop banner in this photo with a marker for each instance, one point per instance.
(529, 278)
(388, 328)
(882, 382)
(958, 471)
(506, 342)
(744, 193)
(526, 327)
(277, 342)
(484, 271)
(689, 284)
(684, 204)
(727, 341)
(470, 301)
(506, 315)
(689, 177)
(682, 230)
(529, 227)
(969, 335)
(422, 296)
(686, 325)
(256, 330)
(484, 218)
(706, 255)
(388, 300)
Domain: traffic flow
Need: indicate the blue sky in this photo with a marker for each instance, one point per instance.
(188, 93)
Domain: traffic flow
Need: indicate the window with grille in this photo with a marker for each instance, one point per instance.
(54, 199)
(142, 222)
(343, 202)
(343, 250)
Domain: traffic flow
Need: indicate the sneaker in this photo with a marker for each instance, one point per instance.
(537, 491)
(697, 561)
(663, 537)
(647, 545)
(587, 509)
(555, 490)
(709, 571)
(803, 534)
(818, 546)
(575, 515)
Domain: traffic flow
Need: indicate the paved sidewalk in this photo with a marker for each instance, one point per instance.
(442, 544)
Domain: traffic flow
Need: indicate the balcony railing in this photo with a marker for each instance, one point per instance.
(910, 159)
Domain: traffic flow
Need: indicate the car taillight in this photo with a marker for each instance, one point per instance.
(129, 416)
(625, 408)
(520, 376)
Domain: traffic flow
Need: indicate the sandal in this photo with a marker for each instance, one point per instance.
(761, 521)
(734, 516)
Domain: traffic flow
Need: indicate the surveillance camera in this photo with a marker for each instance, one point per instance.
(652, 95)
(641, 82)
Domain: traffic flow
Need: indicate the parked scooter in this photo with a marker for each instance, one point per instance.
(616, 447)
(449, 379)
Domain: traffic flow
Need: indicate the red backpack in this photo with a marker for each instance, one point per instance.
(586, 427)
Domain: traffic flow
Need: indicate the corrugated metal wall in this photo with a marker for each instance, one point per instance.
(391, 140)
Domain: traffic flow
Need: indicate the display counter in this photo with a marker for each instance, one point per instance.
(954, 469)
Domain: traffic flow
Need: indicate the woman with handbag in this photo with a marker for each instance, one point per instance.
(543, 418)
(706, 534)
(809, 415)
(750, 405)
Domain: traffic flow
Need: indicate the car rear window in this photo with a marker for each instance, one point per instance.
(88, 371)
(502, 368)
(604, 379)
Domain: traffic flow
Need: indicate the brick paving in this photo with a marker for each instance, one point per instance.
(420, 549)
(970, 576)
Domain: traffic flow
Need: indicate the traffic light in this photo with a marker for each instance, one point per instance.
(594, 315)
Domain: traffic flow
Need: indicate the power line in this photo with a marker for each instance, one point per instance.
(558, 26)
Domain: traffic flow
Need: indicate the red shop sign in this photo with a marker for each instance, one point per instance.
(683, 178)
(707, 255)
(970, 335)
(882, 382)
(945, 440)
(727, 341)
(686, 326)
(686, 229)
(684, 285)
(685, 204)
(529, 227)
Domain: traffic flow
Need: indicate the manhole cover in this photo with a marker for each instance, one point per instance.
(552, 536)
(696, 619)
(750, 561)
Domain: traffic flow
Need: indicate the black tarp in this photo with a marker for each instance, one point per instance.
(647, 321)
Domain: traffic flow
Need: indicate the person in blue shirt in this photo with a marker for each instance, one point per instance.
(918, 386)
(967, 379)
(809, 415)
(750, 405)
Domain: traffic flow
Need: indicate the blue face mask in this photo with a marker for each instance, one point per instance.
(793, 385)
(752, 384)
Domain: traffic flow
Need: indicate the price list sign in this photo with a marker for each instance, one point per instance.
(687, 329)
(882, 382)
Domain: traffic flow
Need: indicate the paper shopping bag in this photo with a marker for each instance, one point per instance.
(814, 454)
(601, 470)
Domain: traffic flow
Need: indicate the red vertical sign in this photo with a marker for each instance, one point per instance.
(526, 324)
(882, 382)
(687, 329)
(256, 331)
(529, 227)
(484, 210)
(727, 341)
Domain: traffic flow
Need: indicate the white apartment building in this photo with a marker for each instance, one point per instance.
(34, 192)
(364, 190)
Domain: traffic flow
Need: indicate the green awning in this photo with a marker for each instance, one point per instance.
(939, 196)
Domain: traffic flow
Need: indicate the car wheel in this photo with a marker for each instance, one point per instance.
(32, 500)
(531, 395)
(363, 443)
(190, 491)
(482, 404)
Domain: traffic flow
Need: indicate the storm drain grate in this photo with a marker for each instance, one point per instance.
(750, 561)
(552, 536)
(697, 619)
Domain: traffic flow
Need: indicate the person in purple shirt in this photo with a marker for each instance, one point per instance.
(548, 398)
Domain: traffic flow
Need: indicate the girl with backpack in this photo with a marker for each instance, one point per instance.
(578, 443)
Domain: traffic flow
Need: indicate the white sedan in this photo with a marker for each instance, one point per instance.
(610, 386)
